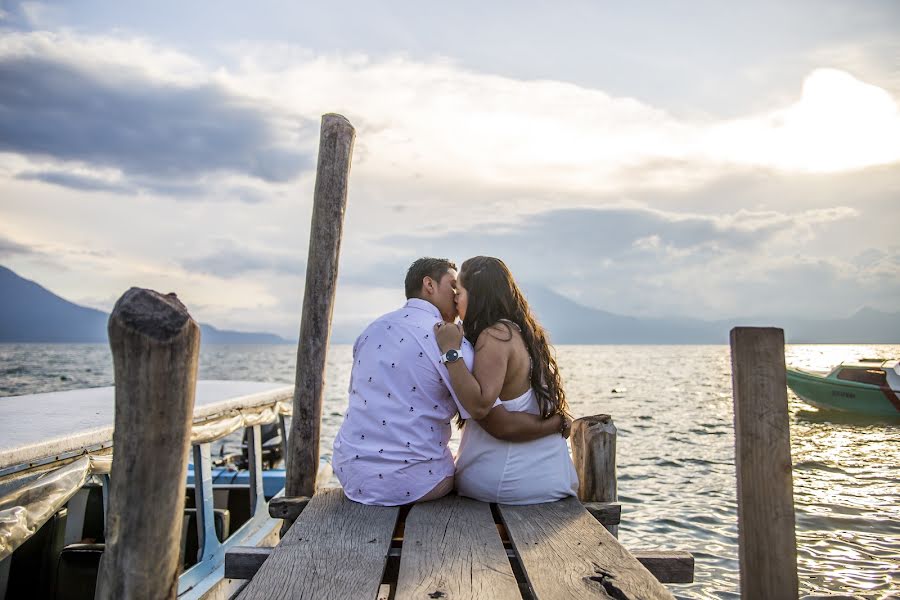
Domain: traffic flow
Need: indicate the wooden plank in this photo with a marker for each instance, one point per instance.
(335, 549)
(243, 562)
(288, 508)
(668, 566)
(451, 549)
(767, 545)
(566, 553)
(606, 513)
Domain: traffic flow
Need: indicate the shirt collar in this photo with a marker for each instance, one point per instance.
(423, 305)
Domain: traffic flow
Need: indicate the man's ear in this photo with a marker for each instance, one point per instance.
(428, 284)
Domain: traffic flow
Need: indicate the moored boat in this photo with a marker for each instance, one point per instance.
(870, 386)
(55, 458)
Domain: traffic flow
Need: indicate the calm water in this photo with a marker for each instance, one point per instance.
(675, 450)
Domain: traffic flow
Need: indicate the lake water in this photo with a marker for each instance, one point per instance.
(675, 450)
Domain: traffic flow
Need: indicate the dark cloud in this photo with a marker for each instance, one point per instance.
(10, 248)
(232, 260)
(603, 233)
(74, 181)
(645, 262)
(158, 133)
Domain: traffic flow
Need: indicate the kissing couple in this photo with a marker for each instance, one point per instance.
(416, 368)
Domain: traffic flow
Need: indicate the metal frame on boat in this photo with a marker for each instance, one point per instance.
(43, 467)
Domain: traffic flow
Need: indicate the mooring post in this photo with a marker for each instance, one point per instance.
(329, 204)
(155, 344)
(594, 453)
(767, 544)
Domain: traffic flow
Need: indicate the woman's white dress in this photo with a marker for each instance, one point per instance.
(492, 470)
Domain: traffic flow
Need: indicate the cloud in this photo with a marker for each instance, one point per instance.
(646, 261)
(75, 181)
(10, 248)
(154, 131)
(232, 260)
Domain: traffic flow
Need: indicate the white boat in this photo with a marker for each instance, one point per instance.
(55, 457)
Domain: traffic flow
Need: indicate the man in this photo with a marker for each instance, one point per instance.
(392, 446)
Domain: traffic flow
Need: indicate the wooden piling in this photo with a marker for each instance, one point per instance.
(767, 543)
(594, 453)
(155, 345)
(329, 204)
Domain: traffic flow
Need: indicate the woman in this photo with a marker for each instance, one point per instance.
(513, 362)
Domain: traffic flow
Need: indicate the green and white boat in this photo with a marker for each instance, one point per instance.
(870, 386)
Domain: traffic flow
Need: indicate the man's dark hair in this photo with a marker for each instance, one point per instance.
(422, 268)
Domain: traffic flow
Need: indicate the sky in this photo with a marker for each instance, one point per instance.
(706, 159)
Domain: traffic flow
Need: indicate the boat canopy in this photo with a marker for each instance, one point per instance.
(40, 428)
(43, 429)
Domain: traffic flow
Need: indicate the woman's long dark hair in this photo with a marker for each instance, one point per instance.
(494, 296)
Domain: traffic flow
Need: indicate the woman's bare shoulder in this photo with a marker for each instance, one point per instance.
(496, 333)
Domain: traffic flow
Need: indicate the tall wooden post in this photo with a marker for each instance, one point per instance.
(594, 454)
(329, 204)
(767, 544)
(155, 345)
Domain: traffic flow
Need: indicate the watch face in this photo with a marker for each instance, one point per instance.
(452, 355)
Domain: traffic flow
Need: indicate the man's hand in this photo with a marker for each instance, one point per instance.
(448, 335)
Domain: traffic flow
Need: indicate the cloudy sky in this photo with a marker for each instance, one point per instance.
(706, 159)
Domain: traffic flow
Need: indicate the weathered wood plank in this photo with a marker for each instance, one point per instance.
(566, 553)
(767, 545)
(335, 549)
(329, 202)
(155, 344)
(243, 562)
(288, 508)
(668, 566)
(451, 549)
(606, 513)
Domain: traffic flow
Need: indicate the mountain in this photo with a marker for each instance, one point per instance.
(572, 323)
(31, 313)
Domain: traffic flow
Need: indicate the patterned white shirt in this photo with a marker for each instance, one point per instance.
(391, 448)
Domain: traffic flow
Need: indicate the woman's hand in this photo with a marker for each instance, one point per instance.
(566, 426)
(448, 335)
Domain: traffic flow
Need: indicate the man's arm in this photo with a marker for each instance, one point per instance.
(520, 426)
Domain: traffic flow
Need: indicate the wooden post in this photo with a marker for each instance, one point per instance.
(330, 201)
(767, 544)
(594, 453)
(154, 344)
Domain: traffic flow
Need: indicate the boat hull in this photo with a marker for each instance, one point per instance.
(846, 396)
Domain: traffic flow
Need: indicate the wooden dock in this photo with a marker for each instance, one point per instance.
(450, 548)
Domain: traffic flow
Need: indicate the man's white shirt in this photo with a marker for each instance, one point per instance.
(392, 446)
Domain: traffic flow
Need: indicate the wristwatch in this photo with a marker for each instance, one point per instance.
(450, 356)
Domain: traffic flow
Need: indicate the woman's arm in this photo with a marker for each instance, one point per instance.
(476, 392)
(521, 426)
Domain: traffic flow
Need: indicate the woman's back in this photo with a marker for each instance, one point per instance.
(492, 470)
